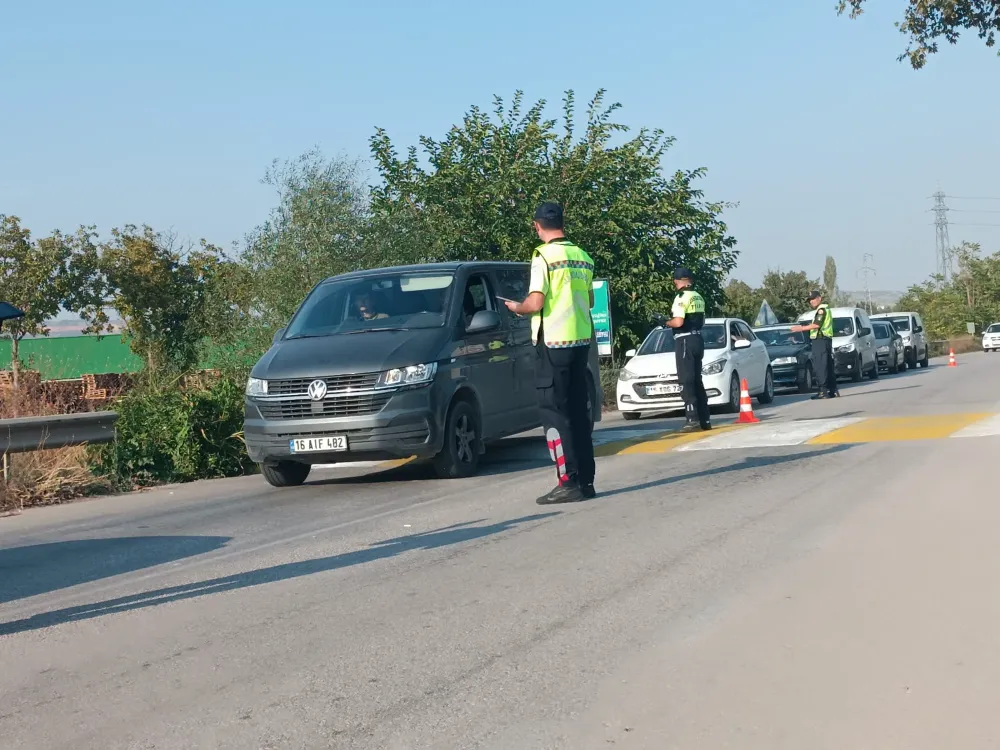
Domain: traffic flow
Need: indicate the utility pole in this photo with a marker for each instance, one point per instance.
(864, 272)
(942, 241)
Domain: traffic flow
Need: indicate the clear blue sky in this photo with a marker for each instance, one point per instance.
(169, 113)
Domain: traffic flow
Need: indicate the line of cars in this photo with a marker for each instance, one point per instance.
(769, 357)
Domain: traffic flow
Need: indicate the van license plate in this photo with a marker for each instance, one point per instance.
(662, 390)
(329, 444)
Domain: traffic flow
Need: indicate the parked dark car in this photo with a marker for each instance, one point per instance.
(791, 356)
(889, 346)
(396, 362)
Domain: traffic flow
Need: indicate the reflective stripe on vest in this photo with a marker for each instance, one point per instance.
(692, 301)
(826, 326)
(566, 310)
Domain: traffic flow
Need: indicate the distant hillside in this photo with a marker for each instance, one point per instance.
(61, 327)
(880, 298)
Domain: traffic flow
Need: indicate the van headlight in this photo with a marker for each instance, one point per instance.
(626, 375)
(412, 375)
(256, 387)
(846, 348)
(714, 368)
(883, 350)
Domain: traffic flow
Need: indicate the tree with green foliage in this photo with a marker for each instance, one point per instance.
(742, 301)
(926, 22)
(787, 292)
(32, 278)
(160, 290)
(830, 278)
(314, 232)
(474, 193)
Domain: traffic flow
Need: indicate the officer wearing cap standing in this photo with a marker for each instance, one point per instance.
(560, 296)
(688, 319)
(821, 334)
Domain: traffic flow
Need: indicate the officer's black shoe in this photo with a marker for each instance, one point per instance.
(706, 426)
(588, 491)
(564, 493)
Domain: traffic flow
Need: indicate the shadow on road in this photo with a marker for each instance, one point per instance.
(43, 568)
(753, 462)
(463, 532)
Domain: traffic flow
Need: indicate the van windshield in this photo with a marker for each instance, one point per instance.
(901, 324)
(661, 341)
(843, 327)
(386, 301)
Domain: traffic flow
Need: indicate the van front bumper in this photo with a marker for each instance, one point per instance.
(410, 424)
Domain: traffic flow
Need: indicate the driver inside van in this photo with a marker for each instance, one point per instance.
(364, 307)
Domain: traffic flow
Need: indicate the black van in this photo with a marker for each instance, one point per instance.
(391, 363)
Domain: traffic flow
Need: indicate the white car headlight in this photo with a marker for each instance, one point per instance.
(784, 361)
(626, 375)
(412, 375)
(846, 348)
(714, 368)
(256, 387)
(883, 350)
(906, 339)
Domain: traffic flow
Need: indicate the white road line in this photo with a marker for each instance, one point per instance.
(768, 435)
(983, 428)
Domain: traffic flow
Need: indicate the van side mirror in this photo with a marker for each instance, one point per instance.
(483, 321)
(630, 353)
(277, 335)
(866, 331)
(918, 329)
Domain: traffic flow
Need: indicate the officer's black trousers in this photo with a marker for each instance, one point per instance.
(561, 385)
(689, 352)
(823, 367)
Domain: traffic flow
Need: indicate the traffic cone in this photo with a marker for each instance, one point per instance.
(951, 358)
(746, 408)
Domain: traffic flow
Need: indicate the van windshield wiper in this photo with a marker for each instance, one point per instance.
(307, 336)
(369, 330)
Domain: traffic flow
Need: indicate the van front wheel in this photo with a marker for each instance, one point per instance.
(459, 456)
(285, 473)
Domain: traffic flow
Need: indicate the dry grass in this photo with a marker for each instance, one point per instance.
(43, 477)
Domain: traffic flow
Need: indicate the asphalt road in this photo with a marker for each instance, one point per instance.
(781, 585)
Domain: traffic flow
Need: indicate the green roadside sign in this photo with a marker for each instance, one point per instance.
(600, 313)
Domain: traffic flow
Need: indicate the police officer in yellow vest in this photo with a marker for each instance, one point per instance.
(688, 319)
(821, 334)
(560, 296)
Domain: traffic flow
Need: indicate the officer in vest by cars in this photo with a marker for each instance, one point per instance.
(821, 334)
(688, 319)
(560, 296)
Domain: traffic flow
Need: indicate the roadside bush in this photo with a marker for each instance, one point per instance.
(168, 434)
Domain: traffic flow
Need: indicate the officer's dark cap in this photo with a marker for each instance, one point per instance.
(814, 294)
(549, 213)
(683, 273)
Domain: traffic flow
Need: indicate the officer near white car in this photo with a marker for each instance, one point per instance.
(821, 334)
(688, 319)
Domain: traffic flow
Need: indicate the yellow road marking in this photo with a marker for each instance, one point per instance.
(657, 442)
(890, 429)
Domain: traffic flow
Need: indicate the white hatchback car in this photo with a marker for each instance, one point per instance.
(991, 338)
(648, 381)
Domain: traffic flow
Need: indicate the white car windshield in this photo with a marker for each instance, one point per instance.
(995, 328)
(661, 341)
(882, 330)
(378, 302)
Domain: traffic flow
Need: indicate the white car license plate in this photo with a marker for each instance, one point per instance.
(329, 444)
(662, 390)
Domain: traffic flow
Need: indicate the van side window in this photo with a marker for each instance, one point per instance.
(513, 284)
(858, 325)
(477, 298)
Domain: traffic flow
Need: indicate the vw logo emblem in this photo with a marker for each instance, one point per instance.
(317, 390)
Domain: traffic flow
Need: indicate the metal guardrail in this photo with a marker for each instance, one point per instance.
(38, 433)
